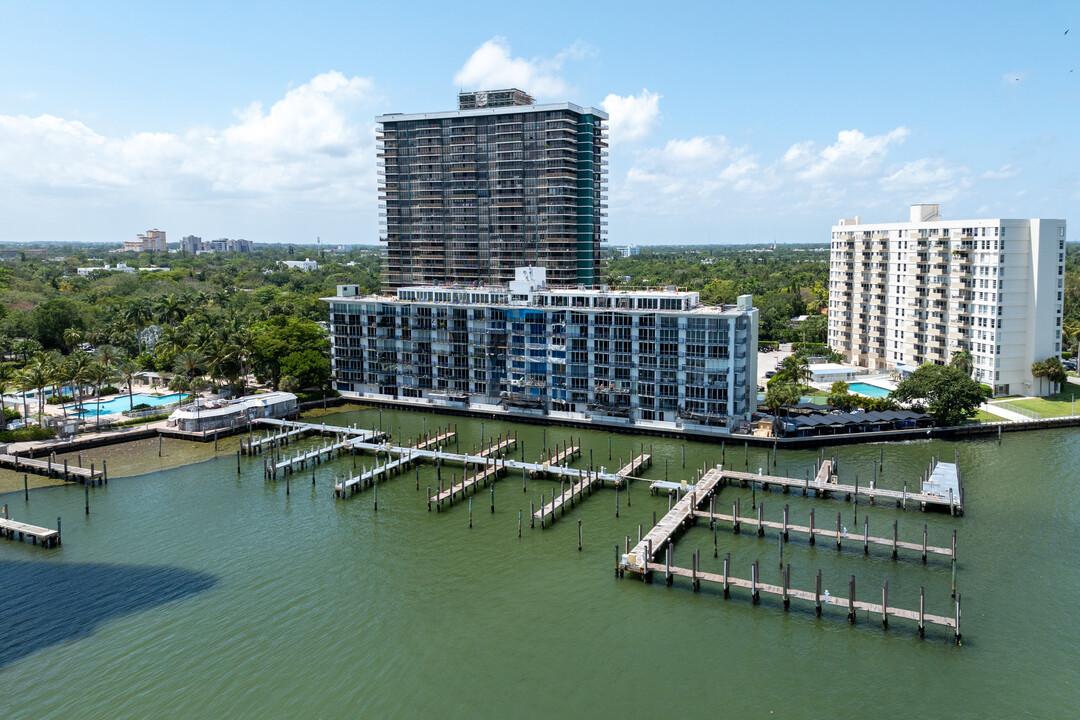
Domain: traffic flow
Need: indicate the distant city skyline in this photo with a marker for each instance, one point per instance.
(729, 125)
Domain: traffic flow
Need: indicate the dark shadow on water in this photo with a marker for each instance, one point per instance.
(45, 604)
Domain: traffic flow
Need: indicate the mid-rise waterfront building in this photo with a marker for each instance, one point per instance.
(152, 241)
(469, 195)
(656, 357)
(906, 293)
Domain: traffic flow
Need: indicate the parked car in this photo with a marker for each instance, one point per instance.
(769, 373)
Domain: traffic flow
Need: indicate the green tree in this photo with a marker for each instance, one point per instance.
(961, 360)
(840, 398)
(125, 373)
(308, 367)
(950, 395)
(8, 378)
(780, 395)
(1051, 369)
(34, 377)
(51, 318)
(275, 339)
(139, 312)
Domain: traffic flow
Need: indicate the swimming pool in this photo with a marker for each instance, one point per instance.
(869, 390)
(120, 403)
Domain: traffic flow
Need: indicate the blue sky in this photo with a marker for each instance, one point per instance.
(729, 124)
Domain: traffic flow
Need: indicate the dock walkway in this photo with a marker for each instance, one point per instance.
(786, 593)
(822, 486)
(369, 476)
(586, 483)
(50, 469)
(664, 531)
(839, 535)
(48, 537)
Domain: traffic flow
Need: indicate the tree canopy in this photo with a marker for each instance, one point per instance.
(948, 393)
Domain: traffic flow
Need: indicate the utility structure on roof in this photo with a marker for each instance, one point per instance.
(467, 196)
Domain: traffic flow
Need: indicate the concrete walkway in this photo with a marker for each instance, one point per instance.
(1003, 412)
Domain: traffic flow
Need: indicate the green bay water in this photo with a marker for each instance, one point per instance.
(191, 591)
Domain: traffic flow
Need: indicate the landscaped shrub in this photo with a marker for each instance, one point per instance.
(24, 434)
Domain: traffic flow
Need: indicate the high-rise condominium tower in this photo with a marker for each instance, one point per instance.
(906, 293)
(467, 196)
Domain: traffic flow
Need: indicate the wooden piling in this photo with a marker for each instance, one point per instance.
(817, 594)
(851, 601)
(885, 605)
(922, 612)
(924, 543)
(579, 534)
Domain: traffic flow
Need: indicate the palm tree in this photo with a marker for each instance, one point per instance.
(189, 363)
(139, 313)
(100, 374)
(79, 366)
(794, 369)
(170, 309)
(126, 370)
(8, 377)
(106, 355)
(33, 377)
(961, 360)
(73, 337)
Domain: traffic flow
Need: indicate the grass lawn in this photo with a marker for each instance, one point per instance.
(1055, 405)
(983, 416)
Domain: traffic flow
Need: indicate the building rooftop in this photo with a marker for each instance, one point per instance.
(480, 112)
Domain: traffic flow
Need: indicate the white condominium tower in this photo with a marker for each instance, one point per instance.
(907, 293)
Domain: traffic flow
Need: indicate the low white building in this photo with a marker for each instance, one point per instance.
(206, 415)
(828, 373)
(118, 267)
(307, 264)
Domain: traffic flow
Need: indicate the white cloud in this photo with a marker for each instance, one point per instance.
(633, 117)
(491, 67)
(685, 172)
(1004, 173)
(687, 175)
(853, 154)
(309, 143)
(927, 177)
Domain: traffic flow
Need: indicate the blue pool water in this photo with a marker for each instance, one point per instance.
(121, 403)
(869, 390)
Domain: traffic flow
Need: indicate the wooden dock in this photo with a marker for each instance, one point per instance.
(559, 457)
(10, 528)
(439, 439)
(496, 446)
(584, 483)
(839, 535)
(491, 471)
(635, 465)
(50, 469)
(820, 600)
(369, 476)
(256, 446)
(823, 485)
(663, 533)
